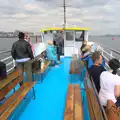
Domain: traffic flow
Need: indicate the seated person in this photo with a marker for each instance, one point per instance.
(51, 52)
(89, 61)
(110, 84)
(96, 69)
(85, 49)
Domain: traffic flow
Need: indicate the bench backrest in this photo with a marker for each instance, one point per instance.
(96, 111)
(76, 66)
(6, 85)
(73, 110)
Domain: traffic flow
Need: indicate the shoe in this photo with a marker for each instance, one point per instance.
(59, 62)
(56, 66)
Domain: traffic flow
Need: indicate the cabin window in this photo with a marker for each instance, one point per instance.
(79, 36)
(69, 36)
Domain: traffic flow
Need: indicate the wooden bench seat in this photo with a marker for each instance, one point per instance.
(73, 109)
(10, 78)
(73, 69)
(10, 104)
(76, 65)
(46, 64)
(96, 111)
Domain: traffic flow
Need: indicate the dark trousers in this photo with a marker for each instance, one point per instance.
(58, 53)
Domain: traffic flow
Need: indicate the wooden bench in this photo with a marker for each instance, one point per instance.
(73, 69)
(42, 71)
(96, 111)
(15, 98)
(46, 64)
(75, 65)
(73, 110)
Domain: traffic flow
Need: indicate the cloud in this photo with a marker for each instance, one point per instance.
(102, 16)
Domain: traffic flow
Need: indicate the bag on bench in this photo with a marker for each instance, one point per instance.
(3, 72)
(36, 65)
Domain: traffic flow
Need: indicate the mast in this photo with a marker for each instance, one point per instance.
(64, 5)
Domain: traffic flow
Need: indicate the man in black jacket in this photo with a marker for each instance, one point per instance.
(23, 55)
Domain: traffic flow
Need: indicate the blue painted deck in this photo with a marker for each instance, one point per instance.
(51, 95)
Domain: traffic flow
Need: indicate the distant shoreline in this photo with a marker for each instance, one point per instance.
(105, 35)
(8, 37)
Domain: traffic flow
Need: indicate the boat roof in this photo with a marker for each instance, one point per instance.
(67, 28)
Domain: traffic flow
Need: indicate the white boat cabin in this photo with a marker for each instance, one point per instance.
(73, 38)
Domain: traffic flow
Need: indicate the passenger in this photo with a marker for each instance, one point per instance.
(89, 62)
(58, 38)
(51, 53)
(110, 84)
(23, 55)
(85, 49)
(96, 69)
(32, 46)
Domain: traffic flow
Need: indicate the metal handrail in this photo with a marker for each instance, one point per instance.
(115, 51)
(11, 63)
(3, 52)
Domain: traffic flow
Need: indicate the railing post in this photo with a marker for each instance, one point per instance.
(101, 49)
(14, 63)
(111, 55)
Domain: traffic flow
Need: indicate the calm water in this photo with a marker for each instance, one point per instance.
(6, 43)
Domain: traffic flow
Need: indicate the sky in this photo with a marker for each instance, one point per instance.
(101, 16)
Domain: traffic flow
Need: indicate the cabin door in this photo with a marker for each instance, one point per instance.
(69, 42)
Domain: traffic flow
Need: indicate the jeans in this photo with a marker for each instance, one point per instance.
(118, 102)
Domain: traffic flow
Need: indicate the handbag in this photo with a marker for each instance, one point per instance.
(36, 65)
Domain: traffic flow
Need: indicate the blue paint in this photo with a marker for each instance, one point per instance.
(51, 95)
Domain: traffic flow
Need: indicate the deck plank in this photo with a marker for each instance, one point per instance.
(93, 106)
(10, 99)
(11, 107)
(69, 104)
(46, 64)
(10, 78)
(73, 110)
(78, 104)
(10, 86)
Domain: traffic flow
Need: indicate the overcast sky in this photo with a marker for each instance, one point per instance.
(102, 16)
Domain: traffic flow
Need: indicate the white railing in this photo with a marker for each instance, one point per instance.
(108, 53)
(10, 63)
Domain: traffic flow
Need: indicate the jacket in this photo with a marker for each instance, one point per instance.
(51, 53)
(21, 49)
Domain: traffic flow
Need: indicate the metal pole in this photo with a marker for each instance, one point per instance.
(64, 14)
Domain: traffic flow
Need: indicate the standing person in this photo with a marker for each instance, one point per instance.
(23, 55)
(58, 39)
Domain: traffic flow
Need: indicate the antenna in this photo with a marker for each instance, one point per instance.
(64, 5)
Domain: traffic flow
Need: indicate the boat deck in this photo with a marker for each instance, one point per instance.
(51, 95)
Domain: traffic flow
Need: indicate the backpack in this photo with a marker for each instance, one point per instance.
(3, 72)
